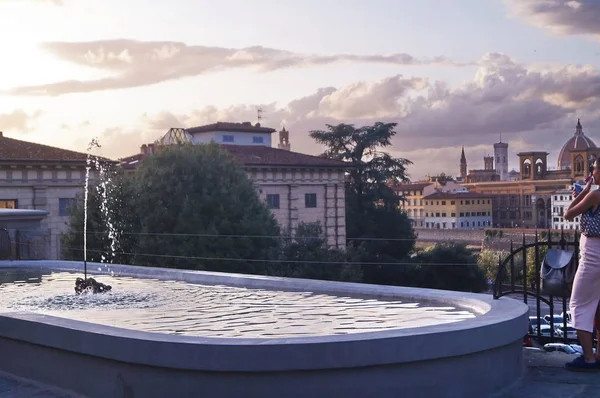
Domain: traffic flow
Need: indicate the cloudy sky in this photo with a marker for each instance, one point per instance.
(450, 73)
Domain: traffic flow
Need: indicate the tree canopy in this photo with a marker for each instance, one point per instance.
(190, 206)
(373, 219)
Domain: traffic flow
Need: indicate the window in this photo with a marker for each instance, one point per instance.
(452, 202)
(452, 215)
(426, 225)
(462, 215)
(227, 138)
(443, 214)
(462, 224)
(443, 203)
(427, 214)
(64, 205)
(437, 213)
(310, 200)
(467, 202)
(273, 201)
(437, 202)
(257, 140)
(8, 204)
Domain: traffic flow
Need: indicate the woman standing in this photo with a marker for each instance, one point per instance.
(586, 286)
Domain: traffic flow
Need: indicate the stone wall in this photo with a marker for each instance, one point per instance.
(450, 235)
(292, 184)
(40, 188)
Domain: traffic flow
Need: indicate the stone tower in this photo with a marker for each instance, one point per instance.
(284, 140)
(488, 163)
(501, 157)
(463, 164)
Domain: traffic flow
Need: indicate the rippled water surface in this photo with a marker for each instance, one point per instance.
(212, 311)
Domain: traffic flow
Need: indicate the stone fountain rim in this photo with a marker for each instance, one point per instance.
(497, 323)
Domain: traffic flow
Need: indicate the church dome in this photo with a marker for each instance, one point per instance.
(578, 142)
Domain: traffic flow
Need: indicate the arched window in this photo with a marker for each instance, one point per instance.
(526, 167)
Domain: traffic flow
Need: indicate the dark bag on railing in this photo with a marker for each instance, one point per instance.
(557, 273)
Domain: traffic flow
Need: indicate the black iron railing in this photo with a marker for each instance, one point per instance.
(519, 276)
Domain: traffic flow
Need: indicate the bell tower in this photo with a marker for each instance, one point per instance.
(463, 164)
(284, 140)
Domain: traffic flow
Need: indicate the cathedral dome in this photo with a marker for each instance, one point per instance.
(578, 142)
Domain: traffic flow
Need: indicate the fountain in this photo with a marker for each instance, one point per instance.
(172, 332)
(90, 285)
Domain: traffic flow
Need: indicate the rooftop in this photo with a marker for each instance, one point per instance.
(411, 186)
(245, 127)
(17, 150)
(257, 155)
(457, 195)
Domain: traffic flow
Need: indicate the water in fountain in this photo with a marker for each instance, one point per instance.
(103, 189)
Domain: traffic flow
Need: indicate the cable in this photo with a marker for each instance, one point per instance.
(270, 260)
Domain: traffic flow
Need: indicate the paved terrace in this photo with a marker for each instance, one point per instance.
(544, 378)
(16, 387)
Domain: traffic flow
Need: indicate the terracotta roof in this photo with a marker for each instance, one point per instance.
(457, 195)
(227, 126)
(258, 155)
(15, 150)
(411, 186)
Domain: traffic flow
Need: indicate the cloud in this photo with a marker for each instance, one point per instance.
(131, 63)
(575, 17)
(530, 107)
(18, 120)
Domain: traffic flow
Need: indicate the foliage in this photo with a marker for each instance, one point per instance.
(120, 213)
(307, 255)
(390, 233)
(187, 190)
(450, 266)
(187, 206)
(488, 262)
(371, 169)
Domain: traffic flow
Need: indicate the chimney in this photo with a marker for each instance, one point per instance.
(1, 135)
(143, 149)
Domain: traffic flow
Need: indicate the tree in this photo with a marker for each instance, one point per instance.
(110, 211)
(383, 231)
(205, 200)
(186, 206)
(450, 266)
(488, 262)
(371, 169)
(307, 255)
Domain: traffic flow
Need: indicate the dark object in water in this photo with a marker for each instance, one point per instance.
(90, 285)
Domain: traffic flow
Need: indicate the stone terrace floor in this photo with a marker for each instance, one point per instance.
(544, 378)
(14, 387)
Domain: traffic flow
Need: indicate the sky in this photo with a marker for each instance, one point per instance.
(449, 73)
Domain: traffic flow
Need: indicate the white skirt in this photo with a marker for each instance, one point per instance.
(586, 286)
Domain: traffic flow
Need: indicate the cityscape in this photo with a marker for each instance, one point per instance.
(284, 199)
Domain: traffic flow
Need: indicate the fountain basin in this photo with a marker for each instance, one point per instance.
(435, 360)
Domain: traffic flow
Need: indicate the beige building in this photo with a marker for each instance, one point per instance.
(296, 187)
(40, 177)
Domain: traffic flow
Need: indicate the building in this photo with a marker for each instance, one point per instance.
(41, 177)
(561, 200)
(296, 187)
(412, 202)
(457, 210)
(501, 157)
(570, 155)
(525, 200)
